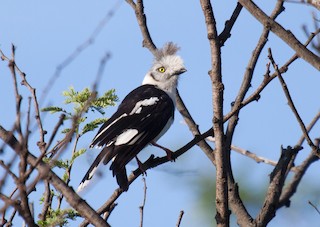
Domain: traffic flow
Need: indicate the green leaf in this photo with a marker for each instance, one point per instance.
(58, 217)
(77, 154)
(52, 109)
(93, 125)
(66, 130)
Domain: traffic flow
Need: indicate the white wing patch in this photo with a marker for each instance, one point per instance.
(126, 136)
(106, 128)
(146, 102)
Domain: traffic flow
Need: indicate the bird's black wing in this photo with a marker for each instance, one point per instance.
(144, 114)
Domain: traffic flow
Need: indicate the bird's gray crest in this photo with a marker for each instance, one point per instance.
(168, 49)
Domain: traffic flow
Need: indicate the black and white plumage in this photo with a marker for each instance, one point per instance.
(144, 115)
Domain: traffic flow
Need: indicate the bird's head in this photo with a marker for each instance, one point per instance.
(166, 68)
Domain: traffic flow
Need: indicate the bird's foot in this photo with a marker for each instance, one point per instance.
(140, 166)
(168, 151)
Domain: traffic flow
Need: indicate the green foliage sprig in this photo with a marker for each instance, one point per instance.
(82, 102)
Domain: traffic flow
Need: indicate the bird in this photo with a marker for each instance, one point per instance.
(143, 116)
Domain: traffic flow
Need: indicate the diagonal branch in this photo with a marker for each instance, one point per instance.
(248, 75)
(152, 162)
(142, 21)
(291, 188)
(282, 33)
(277, 178)
(193, 127)
(292, 106)
(226, 33)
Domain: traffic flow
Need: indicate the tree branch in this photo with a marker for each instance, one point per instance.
(152, 162)
(44, 170)
(283, 34)
(180, 218)
(193, 127)
(142, 21)
(226, 33)
(141, 208)
(291, 188)
(221, 153)
(277, 178)
(291, 104)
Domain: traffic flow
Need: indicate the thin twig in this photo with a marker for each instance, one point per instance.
(47, 201)
(291, 104)
(193, 127)
(55, 131)
(71, 196)
(142, 21)
(141, 208)
(291, 187)
(226, 33)
(151, 162)
(79, 49)
(314, 206)
(277, 178)
(248, 75)
(180, 218)
(285, 35)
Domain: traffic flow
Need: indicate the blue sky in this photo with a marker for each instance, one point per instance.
(46, 33)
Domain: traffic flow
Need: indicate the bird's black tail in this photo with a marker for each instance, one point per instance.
(86, 179)
(122, 179)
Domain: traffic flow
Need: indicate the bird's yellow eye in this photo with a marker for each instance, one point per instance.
(161, 69)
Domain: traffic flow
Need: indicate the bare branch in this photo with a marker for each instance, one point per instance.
(277, 178)
(180, 218)
(221, 154)
(141, 208)
(148, 164)
(13, 67)
(55, 130)
(285, 35)
(291, 104)
(142, 21)
(247, 78)
(47, 201)
(79, 49)
(193, 127)
(318, 211)
(291, 188)
(71, 196)
(226, 33)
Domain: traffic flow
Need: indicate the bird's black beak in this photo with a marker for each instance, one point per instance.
(180, 71)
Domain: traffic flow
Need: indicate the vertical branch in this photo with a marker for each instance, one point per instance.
(236, 204)
(47, 201)
(13, 66)
(25, 211)
(222, 216)
(141, 208)
(16, 92)
(246, 83)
